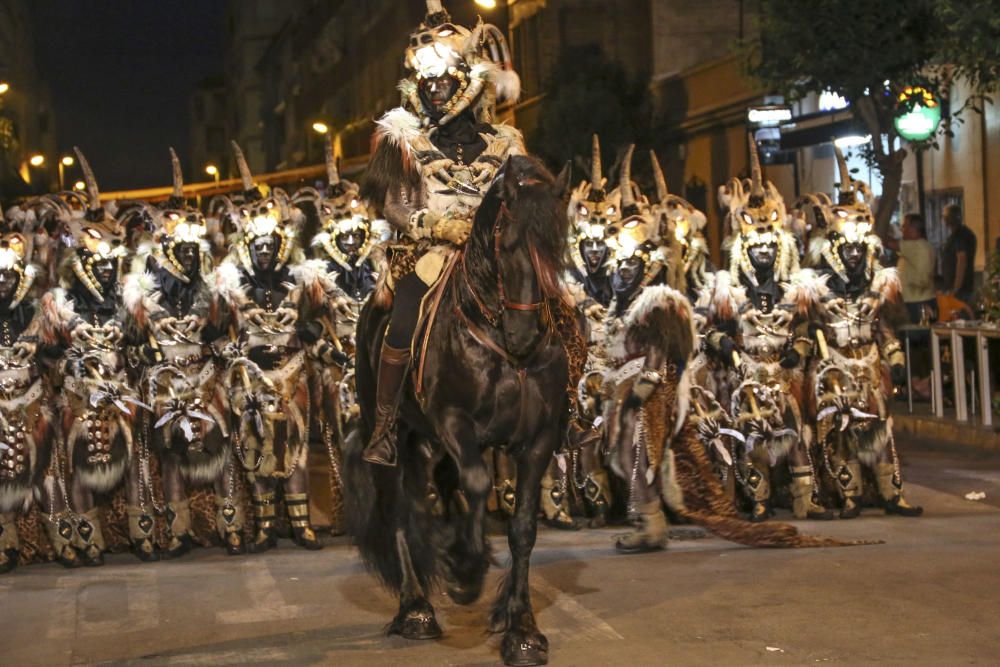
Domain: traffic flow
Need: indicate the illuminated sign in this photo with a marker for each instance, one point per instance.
(918, 114)
(769, 115)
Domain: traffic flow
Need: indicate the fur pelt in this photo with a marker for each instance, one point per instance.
(886, 284)
(137, 296)
(726, 297)
(661, 317)
(805, 290)
(57, 311)
(227, 283)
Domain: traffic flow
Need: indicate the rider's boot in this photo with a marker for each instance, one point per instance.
(890, 487)
(849, 482)
(803, 504)
(650, 533)
(392, 368)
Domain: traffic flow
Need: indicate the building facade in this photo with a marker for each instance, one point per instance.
(27, 124)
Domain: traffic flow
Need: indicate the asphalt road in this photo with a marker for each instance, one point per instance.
(927, 596)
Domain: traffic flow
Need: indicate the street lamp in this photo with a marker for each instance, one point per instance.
(79, 186)
(4, 87)
(487, 4)
(212, 171)
(319, 127)
(36, 160)
(66, 161)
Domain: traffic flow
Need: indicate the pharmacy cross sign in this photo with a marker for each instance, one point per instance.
(918, 114)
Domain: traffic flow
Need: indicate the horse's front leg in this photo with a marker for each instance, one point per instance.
(415, 618)
(465, 554)
(522, 643)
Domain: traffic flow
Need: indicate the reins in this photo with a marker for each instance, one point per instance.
(503, 303)
(520, 366)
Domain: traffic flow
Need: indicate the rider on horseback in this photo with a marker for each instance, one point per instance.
(434, 159)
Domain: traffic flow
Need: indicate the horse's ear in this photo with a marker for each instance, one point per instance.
(562, 186)
(509, 180)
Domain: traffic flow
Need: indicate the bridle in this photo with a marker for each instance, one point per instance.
(493, 316)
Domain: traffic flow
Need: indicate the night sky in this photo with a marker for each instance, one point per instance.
(121, 74)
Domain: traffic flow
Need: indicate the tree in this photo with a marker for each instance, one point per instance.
(588, 93)
(868, 52)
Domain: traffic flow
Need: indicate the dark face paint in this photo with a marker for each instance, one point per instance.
(187, 255)
(852, 255)
(104, 272)
(763, 256)
(594, 252)
(263, 251)
(436, 92)
(9, 280)
(630, 269)
(350, 242)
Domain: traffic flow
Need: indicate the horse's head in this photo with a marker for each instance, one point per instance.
(520, 233)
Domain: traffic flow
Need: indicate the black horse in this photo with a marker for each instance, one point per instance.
(495, 374)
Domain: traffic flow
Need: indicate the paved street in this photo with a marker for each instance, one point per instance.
(928, 596)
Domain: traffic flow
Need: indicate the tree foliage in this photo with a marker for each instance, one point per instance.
(868, 51)
(588, 93)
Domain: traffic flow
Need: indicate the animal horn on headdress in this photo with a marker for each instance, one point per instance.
(178, 176)
(93, 194)
(845, 173)
(241, 164)
(625, 181)
(661, 182)
(332, 173)
(595, 164)
(436, 14)
(476, 86)
(756, 179)
(475, 40)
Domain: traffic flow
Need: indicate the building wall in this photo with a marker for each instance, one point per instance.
(968, 163)
(209, 143)
(26, 109)
(250, 27)
(703, 138)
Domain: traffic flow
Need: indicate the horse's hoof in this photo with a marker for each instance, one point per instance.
(464, 595)
(521, 649)
(419, 624)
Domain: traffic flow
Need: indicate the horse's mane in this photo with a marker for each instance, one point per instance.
(539, 213)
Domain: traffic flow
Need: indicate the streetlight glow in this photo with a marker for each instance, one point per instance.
(4, 87)
(68, 161)
(79, 185)
(487, 4)
(320, 127)
(36, 160)
(211, 170)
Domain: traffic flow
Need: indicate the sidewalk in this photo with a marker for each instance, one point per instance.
(923, 425)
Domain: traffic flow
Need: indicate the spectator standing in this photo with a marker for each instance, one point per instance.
(916, 270)
(958, 256)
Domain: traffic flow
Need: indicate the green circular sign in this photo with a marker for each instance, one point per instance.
(919, 114)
